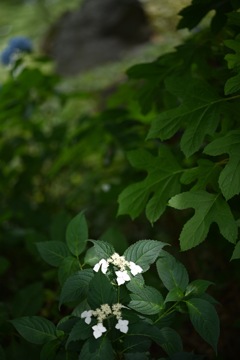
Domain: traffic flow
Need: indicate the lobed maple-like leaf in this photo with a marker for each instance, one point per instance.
(204, 175)
(198, 114)
(209, 208)
(229, 179)
(160, 184)
(233, 59)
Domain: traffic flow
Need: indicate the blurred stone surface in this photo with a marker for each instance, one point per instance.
(98, 32)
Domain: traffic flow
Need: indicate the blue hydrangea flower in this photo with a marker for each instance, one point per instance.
(20, 43)
(16, 44)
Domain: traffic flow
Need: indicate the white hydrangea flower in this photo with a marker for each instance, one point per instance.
(134, 268)
(106, 309)
(122, 277)
(103, 264)
(122, 325)
(87, 316)
(98, 330)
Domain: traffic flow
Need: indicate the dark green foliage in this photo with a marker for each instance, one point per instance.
(168, 142)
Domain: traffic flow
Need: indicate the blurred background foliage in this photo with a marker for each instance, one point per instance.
(63, 146)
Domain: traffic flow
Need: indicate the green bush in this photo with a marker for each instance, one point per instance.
(167, 140)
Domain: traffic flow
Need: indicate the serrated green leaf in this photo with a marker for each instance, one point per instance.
(103, 250)
(53, 252)
(154, 191)
(97, 349)
(199, 113)
(197, 287)
(101, 291)
(76, 287)
(205, 174)
(35, 329)
(68, 267)
(144, 252)
(209, 208)
(80, 331)
(205, 320)
(136, 284)
(148, 301)
(172, 273)
(77, 234)
(236, 251)
(229, 179)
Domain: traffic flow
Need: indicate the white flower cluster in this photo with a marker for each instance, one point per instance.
(101, 314)
(122, 264)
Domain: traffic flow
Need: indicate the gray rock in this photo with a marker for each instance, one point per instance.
(98, 32)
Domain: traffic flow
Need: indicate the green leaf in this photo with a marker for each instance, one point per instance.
(53, 252)
(155, 190)
(236, 251)
(199, 113)
(103, 250)
(172, 342)
(205, 320)
(35, 329)
(97, 349)
(205, 174)
(172, 273)
(80, 331)
(191, 15)
(148, 301)
(209, 208)
(76, 287)
(101, 291)
(68, 267)
(134, 343)
(136, 284)
(175, 294)
(233, 60)
(144, 252)
(197, 287)
(142, 329)
(198, 9)
(77, 234)
(229, 180)
(232, 85)
(91, 257)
